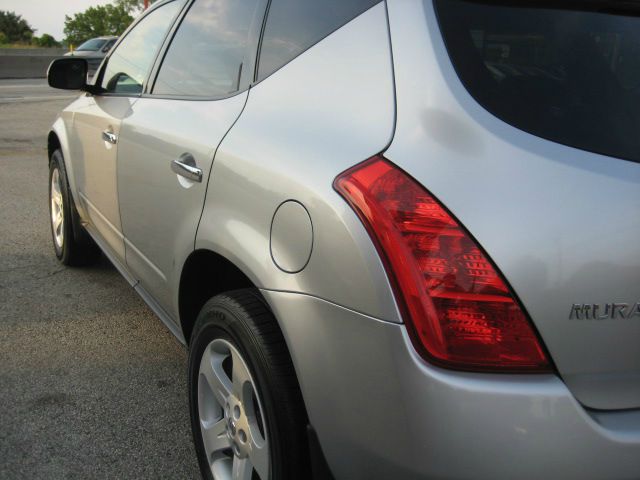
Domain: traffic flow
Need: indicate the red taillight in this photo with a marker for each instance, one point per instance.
(459, 309)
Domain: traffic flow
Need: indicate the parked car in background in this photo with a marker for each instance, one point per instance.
(400, 238)
(93, 51)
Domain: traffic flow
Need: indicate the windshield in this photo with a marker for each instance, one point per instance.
(92, 45)
(571, 75)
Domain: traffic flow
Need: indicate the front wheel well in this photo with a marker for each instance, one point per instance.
(205, 274)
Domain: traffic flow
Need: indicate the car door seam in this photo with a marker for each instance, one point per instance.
(213, 162)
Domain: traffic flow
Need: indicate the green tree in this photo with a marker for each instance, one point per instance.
(133, 6)
(15, 28)
(95, 22)
(46, 41)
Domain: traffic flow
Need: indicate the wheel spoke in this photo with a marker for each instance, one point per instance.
(221, 468)
(240, 376)
(217, 379)
(242, 469)
(55, 183)
(214, 437)
(259, 456)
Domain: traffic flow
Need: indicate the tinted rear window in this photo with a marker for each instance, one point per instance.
(295, 25)
(571, 76)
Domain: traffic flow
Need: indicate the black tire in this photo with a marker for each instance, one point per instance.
(243, 319)
(75, 247)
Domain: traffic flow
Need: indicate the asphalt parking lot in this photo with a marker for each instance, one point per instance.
(92, 385)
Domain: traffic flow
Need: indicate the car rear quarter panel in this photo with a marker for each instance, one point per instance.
(327, 110)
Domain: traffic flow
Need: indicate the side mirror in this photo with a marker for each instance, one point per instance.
(70, 73)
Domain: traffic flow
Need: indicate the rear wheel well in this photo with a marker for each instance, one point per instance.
(53, 144)
(205, 274)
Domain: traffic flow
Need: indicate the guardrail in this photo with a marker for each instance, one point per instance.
(27, 62)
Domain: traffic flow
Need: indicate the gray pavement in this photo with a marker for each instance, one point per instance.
(92, 385)
(31, 90)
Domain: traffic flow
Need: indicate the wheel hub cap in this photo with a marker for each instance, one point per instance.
(237, 426)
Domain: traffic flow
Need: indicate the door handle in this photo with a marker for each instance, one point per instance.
(110, 137)
(185, 166)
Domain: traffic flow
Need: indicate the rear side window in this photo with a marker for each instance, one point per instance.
(131, 61)
(211, 49)
(295, 25)
(571, 76)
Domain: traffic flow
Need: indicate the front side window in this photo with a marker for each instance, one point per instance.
(568, 75)
(293, 26)
(211, 49)
(131, 61)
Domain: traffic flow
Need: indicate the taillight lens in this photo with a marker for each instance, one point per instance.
(458, 308)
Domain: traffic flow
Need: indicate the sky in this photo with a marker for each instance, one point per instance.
(47, 16)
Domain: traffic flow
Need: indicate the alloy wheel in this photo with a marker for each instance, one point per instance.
(57, 209)
(231, 416)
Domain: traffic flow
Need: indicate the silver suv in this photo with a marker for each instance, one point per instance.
(400, 239)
